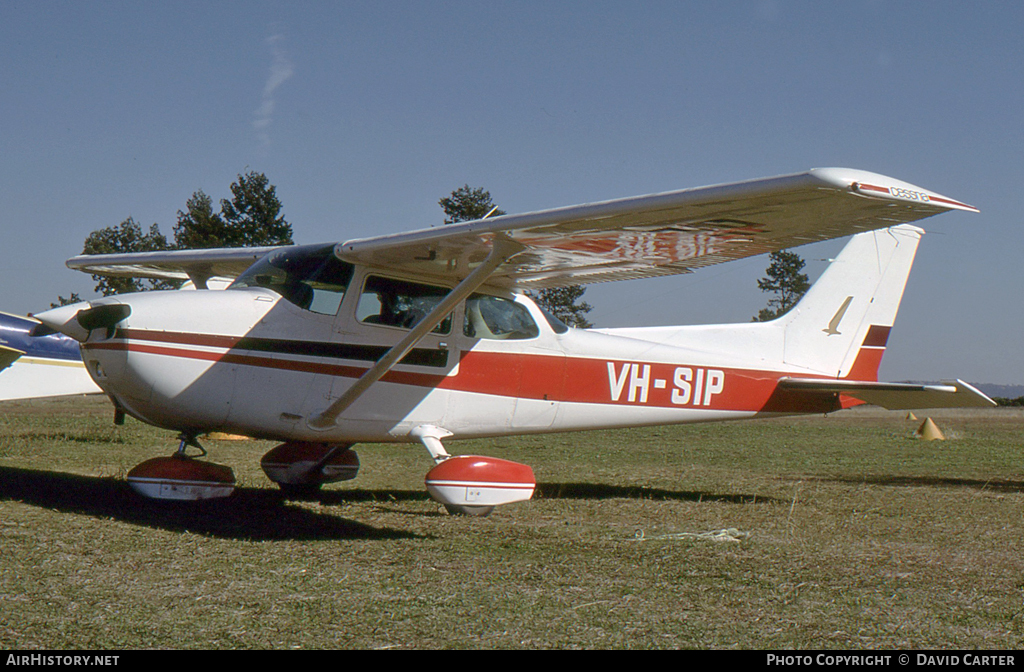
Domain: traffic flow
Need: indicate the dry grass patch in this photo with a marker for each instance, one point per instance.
(854, 535)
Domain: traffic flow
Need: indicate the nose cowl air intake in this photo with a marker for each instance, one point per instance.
(103, 317)
(78, 322)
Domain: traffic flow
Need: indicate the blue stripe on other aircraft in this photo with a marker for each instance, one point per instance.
(15, 333)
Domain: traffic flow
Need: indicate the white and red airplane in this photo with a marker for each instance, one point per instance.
(426, 336)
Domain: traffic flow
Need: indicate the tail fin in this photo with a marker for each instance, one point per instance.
(841, 325)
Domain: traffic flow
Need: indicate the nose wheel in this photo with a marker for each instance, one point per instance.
(300, 468)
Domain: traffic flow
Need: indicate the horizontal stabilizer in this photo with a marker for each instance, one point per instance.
(896, 396)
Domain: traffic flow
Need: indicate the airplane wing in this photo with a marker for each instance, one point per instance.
(896, 396)
(639, 237)
(195, 265)
(659, 234)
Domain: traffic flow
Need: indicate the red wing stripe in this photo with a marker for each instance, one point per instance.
(872, 187)
(924, 197)
(950, 201)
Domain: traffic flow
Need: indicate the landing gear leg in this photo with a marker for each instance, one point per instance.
(430, 437)
(186, 440)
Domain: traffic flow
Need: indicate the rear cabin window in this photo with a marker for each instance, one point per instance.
(557, 325)
(495, 317)
(400, 303)
(310, 276)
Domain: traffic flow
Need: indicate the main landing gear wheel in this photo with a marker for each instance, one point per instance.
(472, 485)
(470, 511)
(182, 477)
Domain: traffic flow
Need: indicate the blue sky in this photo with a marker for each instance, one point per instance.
(365, 114)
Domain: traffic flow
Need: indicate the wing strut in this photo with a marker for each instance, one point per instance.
(502, 249)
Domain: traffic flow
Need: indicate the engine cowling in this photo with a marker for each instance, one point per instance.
(479, 481)
(181, 478)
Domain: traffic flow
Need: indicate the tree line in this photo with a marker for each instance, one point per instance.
(251, 217)
(468, 203)
(1004, 401)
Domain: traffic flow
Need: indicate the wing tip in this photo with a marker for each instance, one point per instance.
(876, 185)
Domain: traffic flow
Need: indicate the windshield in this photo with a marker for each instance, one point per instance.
(310, 276)
(494, 317)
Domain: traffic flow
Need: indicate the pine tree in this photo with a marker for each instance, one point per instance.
(468, 203)
(785, 281)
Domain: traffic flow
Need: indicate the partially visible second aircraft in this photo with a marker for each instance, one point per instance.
(44, 366)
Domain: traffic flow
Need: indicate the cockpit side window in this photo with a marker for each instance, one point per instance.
(310, 276)
(400, 303)
(495, 317)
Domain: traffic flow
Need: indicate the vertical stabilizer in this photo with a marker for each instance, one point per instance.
(841, 325)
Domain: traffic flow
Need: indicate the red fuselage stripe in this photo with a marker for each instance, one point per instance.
(543, 377)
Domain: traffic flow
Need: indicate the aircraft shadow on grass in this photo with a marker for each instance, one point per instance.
(249, 514)
(995, 485)
(566, 491)
(261, 514)
(606, 491)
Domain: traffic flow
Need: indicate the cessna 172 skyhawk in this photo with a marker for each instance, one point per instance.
(426, 336)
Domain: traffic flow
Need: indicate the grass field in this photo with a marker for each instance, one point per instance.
(847, 533)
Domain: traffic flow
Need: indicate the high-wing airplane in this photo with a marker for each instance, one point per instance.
(427, 336)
